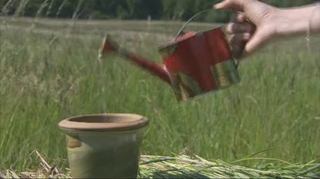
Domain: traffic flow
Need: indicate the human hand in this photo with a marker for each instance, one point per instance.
(253, 24)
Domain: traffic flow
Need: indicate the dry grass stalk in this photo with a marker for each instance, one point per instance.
(49, 170)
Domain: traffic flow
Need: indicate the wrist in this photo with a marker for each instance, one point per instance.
(298, 21)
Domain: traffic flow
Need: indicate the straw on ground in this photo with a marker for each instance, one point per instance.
(188, 166)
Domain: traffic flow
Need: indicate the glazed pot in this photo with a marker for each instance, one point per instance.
(104, 145)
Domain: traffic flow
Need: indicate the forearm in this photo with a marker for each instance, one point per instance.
(296, 21)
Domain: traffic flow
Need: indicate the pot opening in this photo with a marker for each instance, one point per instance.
(104, 119)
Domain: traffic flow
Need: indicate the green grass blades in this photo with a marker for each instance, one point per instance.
(48, 75)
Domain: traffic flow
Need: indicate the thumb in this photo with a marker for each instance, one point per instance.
(257, 40)
(223, 5)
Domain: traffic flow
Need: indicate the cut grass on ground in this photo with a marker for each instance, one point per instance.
(189, 166)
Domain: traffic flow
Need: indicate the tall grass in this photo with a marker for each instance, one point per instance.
(46, 77)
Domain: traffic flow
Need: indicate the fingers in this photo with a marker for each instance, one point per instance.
(239, 24)
(240, 32)
(238, 42)
(238, 17)
(238, 38)
(234, 28)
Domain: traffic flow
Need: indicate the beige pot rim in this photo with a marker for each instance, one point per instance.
(112, 122)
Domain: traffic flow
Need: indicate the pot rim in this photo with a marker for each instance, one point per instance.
(127, 122)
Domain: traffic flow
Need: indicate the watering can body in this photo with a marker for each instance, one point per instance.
(198, 63)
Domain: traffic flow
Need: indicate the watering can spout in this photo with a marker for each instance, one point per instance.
(109, 47)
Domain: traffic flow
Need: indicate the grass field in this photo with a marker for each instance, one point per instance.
(50, 71)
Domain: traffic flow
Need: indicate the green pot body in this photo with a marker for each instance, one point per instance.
(104, 153)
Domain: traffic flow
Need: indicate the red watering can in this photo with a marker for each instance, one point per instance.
(195, 63)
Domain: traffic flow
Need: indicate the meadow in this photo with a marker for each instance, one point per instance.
(49, 71)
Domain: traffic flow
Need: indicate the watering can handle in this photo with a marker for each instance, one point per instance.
(180, 32)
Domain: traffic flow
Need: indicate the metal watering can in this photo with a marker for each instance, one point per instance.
(194, 63)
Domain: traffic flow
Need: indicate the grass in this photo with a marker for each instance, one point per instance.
(47, 75)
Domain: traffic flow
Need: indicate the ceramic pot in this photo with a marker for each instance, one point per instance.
(104, 145)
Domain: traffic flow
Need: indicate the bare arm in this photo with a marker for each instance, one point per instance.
(300, 20)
